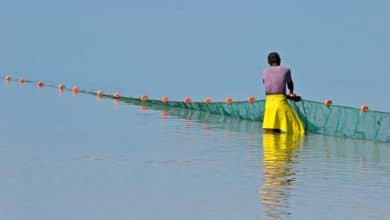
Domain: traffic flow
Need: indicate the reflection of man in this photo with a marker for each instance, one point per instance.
(278, 155)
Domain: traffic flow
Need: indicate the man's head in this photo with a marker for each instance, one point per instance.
(273, 59)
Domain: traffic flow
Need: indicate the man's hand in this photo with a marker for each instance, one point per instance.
(291, 94)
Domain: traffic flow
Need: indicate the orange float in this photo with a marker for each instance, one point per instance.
(228, 100)
(22, 81)
(99, 93)
(187, 100)
(251, 99)
(61, 87)
(117, 95)
(164, 99)
(75, 89)
(144, 98)
(207, 100)
(328, 102)
(364, 108)
(40, 84)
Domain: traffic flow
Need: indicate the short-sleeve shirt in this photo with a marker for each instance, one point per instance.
(275, 79)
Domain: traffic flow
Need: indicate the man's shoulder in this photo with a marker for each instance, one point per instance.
(278, 69)
(285, 68)
(265, 71)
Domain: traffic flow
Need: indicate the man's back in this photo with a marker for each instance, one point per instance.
(275, 79)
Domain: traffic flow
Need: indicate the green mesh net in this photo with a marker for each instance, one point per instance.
(344, 121)
(317, 117)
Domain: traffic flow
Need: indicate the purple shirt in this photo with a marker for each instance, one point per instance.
(275, 79)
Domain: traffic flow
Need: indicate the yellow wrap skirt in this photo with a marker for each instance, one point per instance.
(278, 114)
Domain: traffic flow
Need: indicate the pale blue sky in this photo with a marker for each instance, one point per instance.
(336, 49)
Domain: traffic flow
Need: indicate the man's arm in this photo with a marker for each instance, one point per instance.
(290, 83)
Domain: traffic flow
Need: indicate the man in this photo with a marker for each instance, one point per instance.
(278, 114)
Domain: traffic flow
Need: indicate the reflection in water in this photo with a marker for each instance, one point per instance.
(163, 114)
(278, 160)
(210, 121)
(144, 108)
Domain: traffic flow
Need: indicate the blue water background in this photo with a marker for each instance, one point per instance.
(76, 157)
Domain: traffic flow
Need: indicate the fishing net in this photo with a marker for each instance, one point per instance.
(318, 118)
(334, 120)
(344, 121)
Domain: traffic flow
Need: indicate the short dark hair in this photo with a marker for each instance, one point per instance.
(273, 58)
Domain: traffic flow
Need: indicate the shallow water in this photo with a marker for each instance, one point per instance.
(76, 157)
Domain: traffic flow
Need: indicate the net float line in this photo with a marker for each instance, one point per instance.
(318, 117)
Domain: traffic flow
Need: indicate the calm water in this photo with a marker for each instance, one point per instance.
(75, 157)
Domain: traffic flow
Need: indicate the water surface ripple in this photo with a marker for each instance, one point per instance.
(72, 157)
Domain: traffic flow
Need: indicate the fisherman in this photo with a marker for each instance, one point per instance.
(278, 114)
